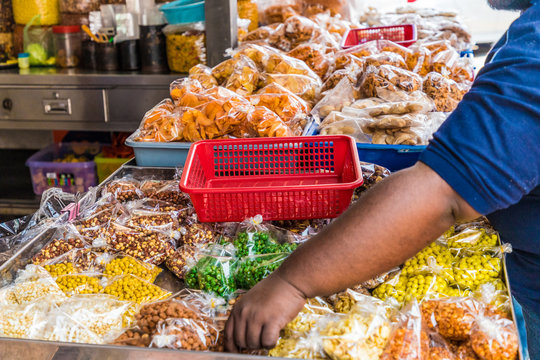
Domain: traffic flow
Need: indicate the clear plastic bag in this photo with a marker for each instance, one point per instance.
(302, 86)
(33, 283)
(127, 265)
(160, 124)
(64, 240)
(404, 136)
(452, 318)
(472, 271)
(125, 189)
(386, 122)
(495, 296)
(244, 78)
(337, 123)
(248, 11)
(266, 123)
(252, 269)
(419, 60)
(494, 337)
(38, 41)
(414, 103)
(408, 341)
(187, 334)
(289, 107)
(253, 237)
(360, 334)
(165, 190)
(146, 245)
(185, 46)
(372, 174)
(446, 93)
(203, 74)
(260, 55)
(385, 58)
(390, 78)
(133, 289)
(335, 99)
(277, 11)
(315, 56)
(95, 319)
(213, 271)
(283, 64)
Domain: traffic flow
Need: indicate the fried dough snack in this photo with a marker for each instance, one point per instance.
(300, 85)
(245, 77)
(390, 78)
(385, 58)
(267, 123)
(203, 74)
(283, 64)
(314, 56)
(289, 107)
(445, 93)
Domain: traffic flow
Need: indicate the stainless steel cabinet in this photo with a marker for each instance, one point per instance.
(76, 100)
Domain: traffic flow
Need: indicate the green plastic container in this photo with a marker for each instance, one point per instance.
(106, 166)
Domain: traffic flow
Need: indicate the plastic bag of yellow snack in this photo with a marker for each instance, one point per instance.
(303, 86)
(203, 74)
(245, 77)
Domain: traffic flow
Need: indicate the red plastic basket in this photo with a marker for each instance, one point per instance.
(404, 35)
(306, 177)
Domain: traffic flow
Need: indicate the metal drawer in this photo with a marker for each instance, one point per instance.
(52, 104)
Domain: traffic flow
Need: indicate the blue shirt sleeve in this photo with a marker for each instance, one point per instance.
(488, 150)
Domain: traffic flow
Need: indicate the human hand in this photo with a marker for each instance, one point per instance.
(258, 317)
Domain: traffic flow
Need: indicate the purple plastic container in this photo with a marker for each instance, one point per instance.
(70, 177)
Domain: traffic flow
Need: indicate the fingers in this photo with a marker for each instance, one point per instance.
(253, 335)
(269, 335)
(229, 335)
(240, 328)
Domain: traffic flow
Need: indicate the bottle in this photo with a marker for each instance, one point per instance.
(24, 60)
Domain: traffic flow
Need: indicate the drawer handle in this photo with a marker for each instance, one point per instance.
(57, 106)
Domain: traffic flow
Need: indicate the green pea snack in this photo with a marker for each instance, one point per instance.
(213, 274)
(253, 269)
(256, 238)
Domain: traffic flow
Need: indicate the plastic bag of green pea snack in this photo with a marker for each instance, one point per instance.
(212, 270)
(252, 269)
(254, 237)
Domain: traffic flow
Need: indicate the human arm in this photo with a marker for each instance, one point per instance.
(392, 222)
(487, 151)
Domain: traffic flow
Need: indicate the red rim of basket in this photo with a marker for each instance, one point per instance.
(413, 40)
(343, 186)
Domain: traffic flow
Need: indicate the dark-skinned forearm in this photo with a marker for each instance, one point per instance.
(390, 224)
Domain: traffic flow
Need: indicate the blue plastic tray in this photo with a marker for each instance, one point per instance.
(184, 11)
(159, 154)
(392, 157)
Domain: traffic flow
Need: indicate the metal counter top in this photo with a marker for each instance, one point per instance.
(52, 76)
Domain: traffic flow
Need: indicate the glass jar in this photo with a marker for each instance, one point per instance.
(186, 46)
(68, 45)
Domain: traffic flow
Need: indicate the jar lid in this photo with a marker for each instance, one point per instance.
(66, 29)
(24, 55)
